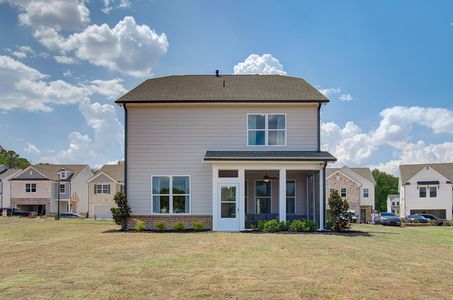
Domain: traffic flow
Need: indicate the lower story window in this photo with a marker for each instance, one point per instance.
(343, 192)
(290, 197)
(171, 194)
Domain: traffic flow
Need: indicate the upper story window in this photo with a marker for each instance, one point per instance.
(343, 192)
(63, 175)
(62, 188)
(30, 187)
(432, 191)
(422, 192)
(365, 193)
(332, 190)
(266, 130)
(102, 188)
(171, 194)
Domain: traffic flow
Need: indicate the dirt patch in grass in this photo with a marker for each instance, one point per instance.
(86, 259)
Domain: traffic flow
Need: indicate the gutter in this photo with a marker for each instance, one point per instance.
(125, 149)
(319, 127)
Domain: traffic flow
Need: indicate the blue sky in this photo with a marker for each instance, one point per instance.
(385, 65)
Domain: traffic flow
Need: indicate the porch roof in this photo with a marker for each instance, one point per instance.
(269, 156)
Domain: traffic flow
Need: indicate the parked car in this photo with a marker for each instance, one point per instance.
(388, 218)
(434, 220)
(417, 218)
(21, 213)
(69, 215)
(352, 216)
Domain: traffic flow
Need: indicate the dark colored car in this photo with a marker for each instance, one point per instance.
(417, 218)
(69, 215)
(352, 216)
(434, 220)
(388, 218)
(21, 213)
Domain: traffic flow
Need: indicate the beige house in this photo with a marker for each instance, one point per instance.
(38, 188)
(393, 204)
(5, 186)
(108, 181)
(224, 150)
(357, 186)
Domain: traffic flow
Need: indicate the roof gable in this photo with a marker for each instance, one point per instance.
(363, 173)
(31, 173)
(225, 88)
(407, 172)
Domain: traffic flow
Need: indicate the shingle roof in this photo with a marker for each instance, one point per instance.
(114, 171)
(364, 172)
(393, 196)
(269, 155)
(226, 88)
(51, 171)
(8, 173)
(409, 171)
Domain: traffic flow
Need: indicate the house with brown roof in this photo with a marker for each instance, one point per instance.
(108, 181)
(426, 189)
(224, 150)
(357, 186)
(5, 186)
(393, 204)
(38, 187)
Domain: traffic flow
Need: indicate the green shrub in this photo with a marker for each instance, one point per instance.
(160, 226)
(179, 226)
(121, 213)
(339, 212)
(329, 224)
(140, 225)
(261, 225)
(448, 223)
(296, 226)
(309, 226)
(272, 226)
(197, 226)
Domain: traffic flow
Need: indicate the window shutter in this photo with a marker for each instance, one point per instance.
(95, 188)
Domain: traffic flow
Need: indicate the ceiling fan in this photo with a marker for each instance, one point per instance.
(267, 178)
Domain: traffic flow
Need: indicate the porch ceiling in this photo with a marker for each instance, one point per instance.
(269, 156)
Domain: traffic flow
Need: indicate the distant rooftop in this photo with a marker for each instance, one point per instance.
(224, 88)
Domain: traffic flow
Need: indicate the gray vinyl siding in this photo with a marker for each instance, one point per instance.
(67, 193)
(31, 174)
(173, 141)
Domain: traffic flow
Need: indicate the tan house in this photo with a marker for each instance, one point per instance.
(357, 186)
(38, 188)
(224, 150)
(102, 187)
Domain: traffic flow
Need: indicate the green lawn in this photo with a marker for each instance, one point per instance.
(85, 259)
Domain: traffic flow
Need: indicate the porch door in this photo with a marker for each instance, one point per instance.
(228, 207)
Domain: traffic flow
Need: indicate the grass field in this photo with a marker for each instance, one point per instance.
(86, 259)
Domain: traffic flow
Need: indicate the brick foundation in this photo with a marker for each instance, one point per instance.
(170, 221)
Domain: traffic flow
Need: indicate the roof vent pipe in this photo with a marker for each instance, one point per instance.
(217, 73)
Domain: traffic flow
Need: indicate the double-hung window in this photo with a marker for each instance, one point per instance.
(30, 187)
(365, 193)
(62, 188)
(432, 192)
(102, 188)
(171, 194)
(422, 192)
(266, 130)
(290, 196)
(343, 192)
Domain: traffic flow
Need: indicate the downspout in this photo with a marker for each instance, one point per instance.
(125, 149)
(319, 127)
(324, 192)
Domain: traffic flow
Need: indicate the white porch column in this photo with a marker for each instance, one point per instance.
(282, 195)
(242, 216)
(214, 197)
(322, 189)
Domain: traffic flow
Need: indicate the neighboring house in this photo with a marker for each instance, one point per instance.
(393, 204)
(36, 188)
(102, 187)
(426, 188)
(5, 193)
(1, 149)
(226, 151)
(357, 186)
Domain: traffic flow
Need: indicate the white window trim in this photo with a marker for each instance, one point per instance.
(102, 184)
(346, 192)
(266, 129)
(170, 196)
(428, 190)
(31, 187)
(64, 188)
(255, 194)
(367, 193)
(295, 195)
(246, 196)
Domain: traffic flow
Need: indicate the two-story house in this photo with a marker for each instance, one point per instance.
(393, 204)
(108, 181)
(224, 150)
(5, 191)
(426, 188)
(36, 188)
(357, 186)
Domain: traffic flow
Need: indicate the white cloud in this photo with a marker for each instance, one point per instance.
(345, 97)
(67, 73)
(108, 5)
(107, 143)
(62, 59)
(32, 149)
(127, 47)
(353, 147)
(22, 52)
(255, 64)
(330, 91)
(57, 14)
(24, 87)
